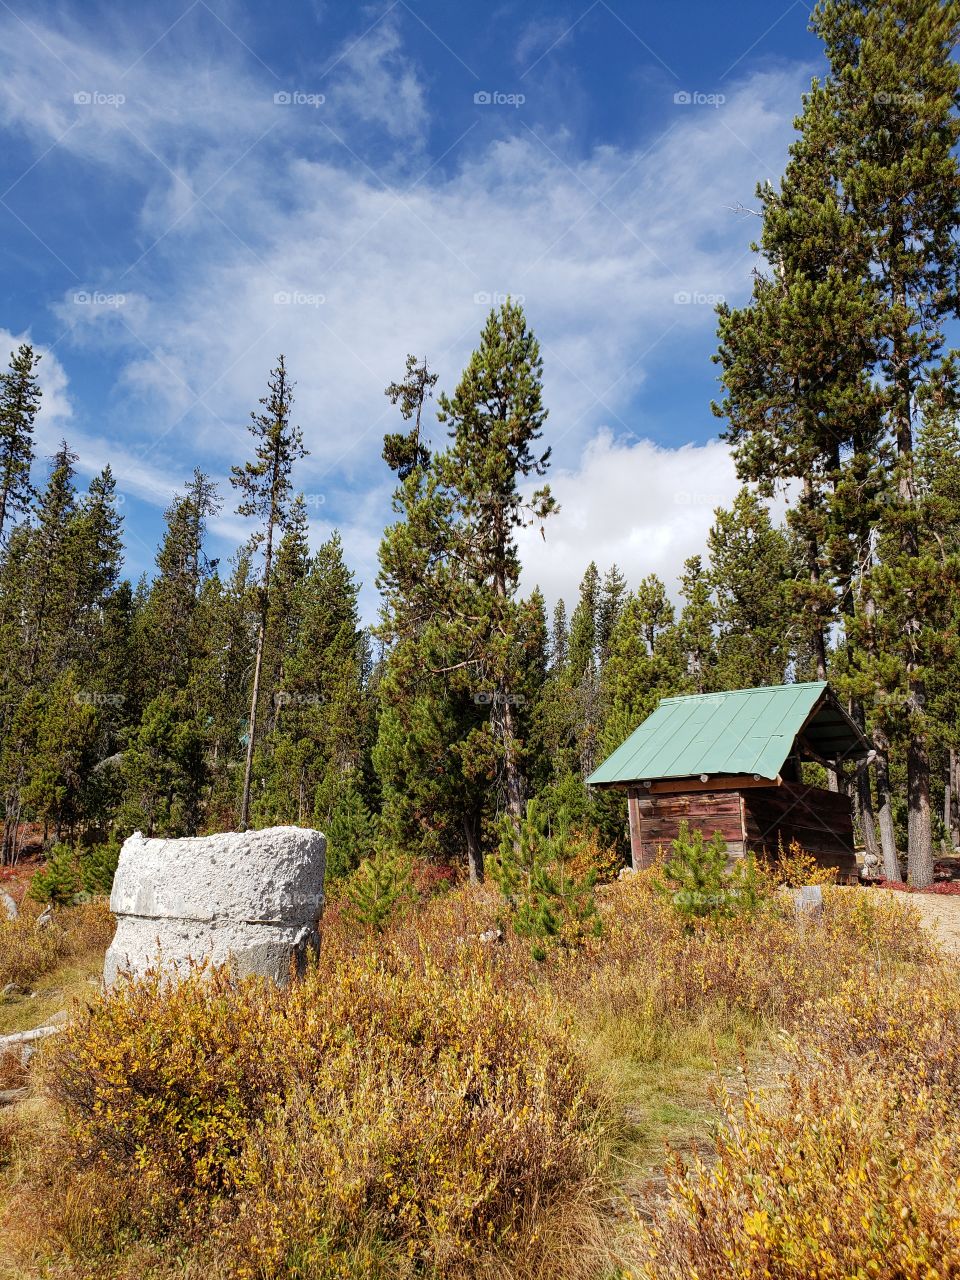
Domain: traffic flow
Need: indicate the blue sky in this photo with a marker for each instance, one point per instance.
(190, 188)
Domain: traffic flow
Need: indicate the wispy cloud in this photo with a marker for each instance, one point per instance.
(320, 229)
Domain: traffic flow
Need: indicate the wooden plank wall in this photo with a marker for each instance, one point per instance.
(661, 815)
(752, 819)
(821, 821)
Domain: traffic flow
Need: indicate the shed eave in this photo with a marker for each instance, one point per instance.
(718, 779)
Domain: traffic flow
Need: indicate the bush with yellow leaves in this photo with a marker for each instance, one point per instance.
(427, 1102)
(26, 952)
(853, 1170)
(374, 1109)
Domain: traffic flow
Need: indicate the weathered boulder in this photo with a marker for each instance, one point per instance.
(252, 899)
(8, 908)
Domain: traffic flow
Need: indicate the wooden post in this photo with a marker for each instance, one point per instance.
(636, 845)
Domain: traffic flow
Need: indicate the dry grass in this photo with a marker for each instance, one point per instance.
(853, 1172)
(421, 1103)
(27, 953)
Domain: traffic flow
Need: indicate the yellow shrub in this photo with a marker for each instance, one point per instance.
(852, 1169)
(381, 1105)
(421, 1103)
(794, 867)
(842, 1178)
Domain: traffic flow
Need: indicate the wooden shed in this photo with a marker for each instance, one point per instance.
(731, 762)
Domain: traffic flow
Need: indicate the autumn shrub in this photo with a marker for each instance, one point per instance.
(651, 977)
(430, 1099)
(381, 1106)
(27, 952)
(851, 1170)
(794, 867)
(589, 856)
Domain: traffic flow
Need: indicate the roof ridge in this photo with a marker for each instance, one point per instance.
(757, 688)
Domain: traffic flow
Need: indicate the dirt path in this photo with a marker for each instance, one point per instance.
(939, 913)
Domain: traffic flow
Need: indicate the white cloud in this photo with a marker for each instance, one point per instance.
(238, 201)
(377, 85)
(633, 504)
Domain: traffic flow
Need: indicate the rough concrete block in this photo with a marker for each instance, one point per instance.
(252, 899)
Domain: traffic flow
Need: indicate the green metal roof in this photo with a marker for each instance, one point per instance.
(746, 731)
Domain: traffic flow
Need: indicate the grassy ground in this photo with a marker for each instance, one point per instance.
(52, 993)
(644, 1024)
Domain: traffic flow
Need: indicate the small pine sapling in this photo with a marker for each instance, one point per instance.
(58, 881)
(98, 865)
(545, 901)
(379, 886)
(698, 883)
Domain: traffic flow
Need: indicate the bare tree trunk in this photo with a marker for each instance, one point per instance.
(947, 792)
(868, 823)
(11, 824)
(888, 837)
(513, 782)
(953, 826)
(920, 846)
(820, 651)
(252, 727)
(474, 852)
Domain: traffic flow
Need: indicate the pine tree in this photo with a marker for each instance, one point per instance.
(583, 674)
(19, 403)
(613, 591)
(699, 883)
(168, 632)
(377, 889)
(698, 626)
(749, 568)
(545, 901)
(829, 368)
(559, 638)
(265, 489)
(319, 734)
(41, 622)
(351, 832)
(61, 727)
(495, 419)
(163, 770)
(645, 662)
(456, 636)
(217, 690)
(405, 453)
